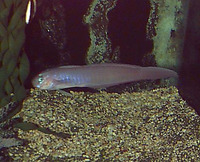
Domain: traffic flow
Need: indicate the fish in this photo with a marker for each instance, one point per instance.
(97, 75)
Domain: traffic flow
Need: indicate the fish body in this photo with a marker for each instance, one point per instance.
(97, 75)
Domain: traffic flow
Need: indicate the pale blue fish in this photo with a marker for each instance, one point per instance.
(97, 75)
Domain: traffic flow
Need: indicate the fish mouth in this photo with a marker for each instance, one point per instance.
(35, 82)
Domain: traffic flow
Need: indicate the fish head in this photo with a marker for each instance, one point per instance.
(42, 81)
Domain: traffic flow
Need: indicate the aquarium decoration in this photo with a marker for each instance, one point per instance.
(166, 27)
(52, 21)
(14, 65)
(96, 19)
(120, 125)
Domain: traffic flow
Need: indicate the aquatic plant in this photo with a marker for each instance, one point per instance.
(14, 66)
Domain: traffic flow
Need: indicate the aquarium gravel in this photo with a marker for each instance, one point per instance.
(140, 126)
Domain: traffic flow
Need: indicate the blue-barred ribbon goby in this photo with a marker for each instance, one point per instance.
(97, 75)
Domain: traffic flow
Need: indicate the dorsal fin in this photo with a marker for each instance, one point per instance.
(69, 66)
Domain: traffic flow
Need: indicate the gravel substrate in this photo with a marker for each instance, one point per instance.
(141, 126)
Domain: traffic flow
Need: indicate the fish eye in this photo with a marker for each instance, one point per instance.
(40, 79)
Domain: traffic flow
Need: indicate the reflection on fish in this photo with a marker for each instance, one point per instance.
(97, 75)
